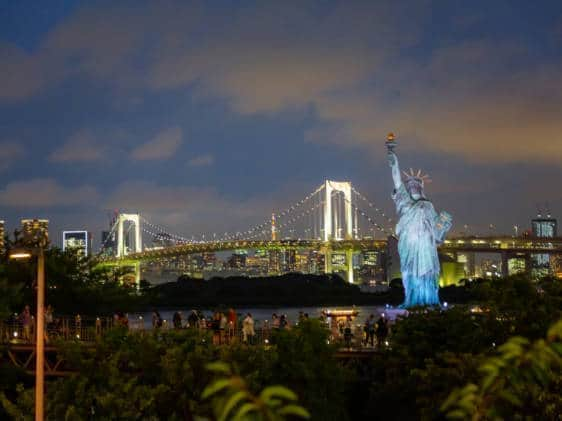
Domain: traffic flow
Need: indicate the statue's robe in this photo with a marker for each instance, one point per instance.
(419, 231)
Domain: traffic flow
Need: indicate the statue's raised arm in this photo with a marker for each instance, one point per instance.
(393, 162)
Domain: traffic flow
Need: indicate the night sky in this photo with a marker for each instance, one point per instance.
(206, 116)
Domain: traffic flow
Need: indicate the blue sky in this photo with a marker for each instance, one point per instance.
(206, 116)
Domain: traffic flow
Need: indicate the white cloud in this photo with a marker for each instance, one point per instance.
(80, 147)
(43, 193)
(164, 145)
(201, 161)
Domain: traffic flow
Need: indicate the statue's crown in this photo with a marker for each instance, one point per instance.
(417, 177)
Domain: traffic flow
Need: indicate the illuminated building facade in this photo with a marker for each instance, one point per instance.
(80, 241)
(543, 227)
(37, 227)
(516, 265)
(209, 261)
(238, 259)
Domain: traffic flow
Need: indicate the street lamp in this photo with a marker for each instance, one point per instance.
(35, 240)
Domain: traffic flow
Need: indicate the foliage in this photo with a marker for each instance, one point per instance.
(435, 351)
(163, 375)
(234, 400)
(73, 285)
(305, 363)
(525, 379)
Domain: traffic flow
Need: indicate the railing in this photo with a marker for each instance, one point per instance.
(63, 328)
(88, 330)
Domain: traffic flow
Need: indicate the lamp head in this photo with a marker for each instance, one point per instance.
(20, 254)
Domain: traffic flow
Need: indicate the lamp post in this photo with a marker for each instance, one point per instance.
(40, 330)
(35, 240)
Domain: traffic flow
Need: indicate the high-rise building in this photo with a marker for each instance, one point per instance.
(290, 260)
(303, 261)
(35, 229)
(238, 259)
(80, 241)
(516, 265)
(209, 261)
(543, 227)
(370, 258)
(274, 266)
(489, 269)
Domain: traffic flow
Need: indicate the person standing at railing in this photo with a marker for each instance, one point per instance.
(49, 317)
(232, 321)
(347, 332)
(193, 319)
(48, 321)
(248, 331)
(275, 321)
(382, 330)
(156, 319)
(370, 326)
(25, 320)
(283, 322)
(222, 327)
(216, 326)
(202, 324)
(177, 320)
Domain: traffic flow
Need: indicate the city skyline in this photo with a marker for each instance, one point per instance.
(208, 118)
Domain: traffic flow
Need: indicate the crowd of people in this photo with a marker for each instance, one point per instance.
(229, 326)
(23, 325)
(226, 326)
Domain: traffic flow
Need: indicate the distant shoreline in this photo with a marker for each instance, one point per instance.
(289, 290)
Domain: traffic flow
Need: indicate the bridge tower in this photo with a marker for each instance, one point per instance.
(122, 251)
(329, 234)
(345, 188)
(133, 218)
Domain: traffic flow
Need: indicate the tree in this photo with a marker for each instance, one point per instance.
(524, 378)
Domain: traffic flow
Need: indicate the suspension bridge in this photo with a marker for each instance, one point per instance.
(334, 218)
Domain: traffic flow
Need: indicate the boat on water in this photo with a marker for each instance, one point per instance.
(340, 313)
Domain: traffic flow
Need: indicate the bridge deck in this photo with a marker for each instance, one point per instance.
(453, 245)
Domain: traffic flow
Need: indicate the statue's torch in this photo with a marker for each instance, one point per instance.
(390, 142)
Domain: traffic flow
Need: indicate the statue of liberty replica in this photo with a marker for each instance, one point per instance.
(420, 230)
